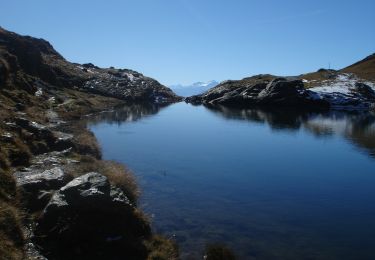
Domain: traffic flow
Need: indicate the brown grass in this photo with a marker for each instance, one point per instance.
(364, 69)
(316, 78)
(7, 185)
(11, 236)
(86, 143)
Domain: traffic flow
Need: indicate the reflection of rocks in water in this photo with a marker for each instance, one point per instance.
(126, 113)
(275, 118)
(359, 128)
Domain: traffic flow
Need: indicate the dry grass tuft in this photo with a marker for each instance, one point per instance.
(86, 143)
(161, 248)
(7, 185)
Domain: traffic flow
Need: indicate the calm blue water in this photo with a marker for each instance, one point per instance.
(270, 185)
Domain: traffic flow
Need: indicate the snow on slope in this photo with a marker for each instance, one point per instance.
(341, 92)
(193, 89)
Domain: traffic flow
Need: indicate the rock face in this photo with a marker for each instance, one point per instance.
(90, 218)
(35, 66)
(275, 92)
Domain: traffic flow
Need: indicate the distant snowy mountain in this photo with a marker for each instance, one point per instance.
(193, 89)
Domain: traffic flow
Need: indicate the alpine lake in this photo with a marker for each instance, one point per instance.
(269, 184)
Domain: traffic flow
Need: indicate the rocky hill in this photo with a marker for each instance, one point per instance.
(352, 88)
(364, 69)
(34, 64)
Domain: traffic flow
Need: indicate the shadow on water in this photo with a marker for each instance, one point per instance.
(356, 127)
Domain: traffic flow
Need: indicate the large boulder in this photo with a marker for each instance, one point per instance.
(281, 91)
(90, 218)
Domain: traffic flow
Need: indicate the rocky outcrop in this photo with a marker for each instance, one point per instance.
(277, 92)
(126, 84)
(342, 91)
(90, 218)
(35, 65)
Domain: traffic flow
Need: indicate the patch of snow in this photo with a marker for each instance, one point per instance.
(339, 94)
(130, 76)
(39, 92)
(341, 84)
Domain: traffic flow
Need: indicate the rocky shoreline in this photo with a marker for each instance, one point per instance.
(58, 199)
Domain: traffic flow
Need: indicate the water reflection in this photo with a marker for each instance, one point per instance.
(125, 113)
(357, 127)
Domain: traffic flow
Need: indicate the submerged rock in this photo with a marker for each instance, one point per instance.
(88, 213)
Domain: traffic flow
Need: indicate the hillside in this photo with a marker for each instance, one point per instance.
(364, 69)
(35, 64)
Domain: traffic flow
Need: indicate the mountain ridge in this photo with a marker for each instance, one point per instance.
(194, 88)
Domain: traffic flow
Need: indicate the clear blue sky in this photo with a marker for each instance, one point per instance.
(183, 41)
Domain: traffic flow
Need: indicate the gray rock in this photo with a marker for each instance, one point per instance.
(36, 186)
(281, 88)
(87, 213)
(49, 179)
